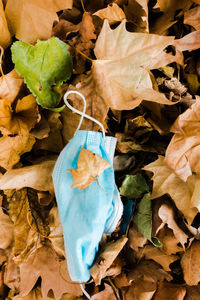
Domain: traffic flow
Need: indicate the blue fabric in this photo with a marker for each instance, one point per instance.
(86, 214)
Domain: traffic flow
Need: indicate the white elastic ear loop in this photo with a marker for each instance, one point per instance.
(81, 113)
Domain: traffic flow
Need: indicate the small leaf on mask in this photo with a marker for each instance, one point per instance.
(90, 166)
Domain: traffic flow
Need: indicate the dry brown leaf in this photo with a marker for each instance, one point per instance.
(6, 233)
(10, 85)
(22, 119)
(169, 8)
(189, 42)
(148, 271)
(35, 294)
(136, 12)
(106, 258)
(182, 154)
(90, 166)
(5, 38)
(167, 182)
(11, 274)
(135, 239)
(192, 17)
(33, 20)
(151, 252)
(166, 214)
(106, 294)
(13, 147)
(141, 290)
(56, 232)
(190, 263)
(193, 293)
(37, 177)
(170, 291)
(113, 13)
(169, 241)
(45, 263)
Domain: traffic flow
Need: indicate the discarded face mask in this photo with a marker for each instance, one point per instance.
(86, 214)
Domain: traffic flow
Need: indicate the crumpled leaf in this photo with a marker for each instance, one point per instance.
(33, 64)
(167, 182)
(113, 13)
(37, 177)
(106, 294)
(151, 252)
(190, 263)
(22, 119)
(12, 147)
(5, 38)
(167, 215)
(182, 154)
(10, 85)
(143, 219)
(6, 233)
(90, 166)
(106, 258)
(119, 77)
(33, 20)
(136, 12)
(54, 274)
(192, 17)
(170, 291)
(133, 186)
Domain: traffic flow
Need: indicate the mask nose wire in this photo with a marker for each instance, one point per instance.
(82, 113)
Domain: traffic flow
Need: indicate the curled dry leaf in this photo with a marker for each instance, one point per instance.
(192, 17)
(37, 177)
(183, 152)
(151, 252)
(5, 38)
(22, 119)
(166, 214)
(170, 291)
(167, 182)
(190, 263)
(106, 258)
(54, 274)
(33, 20)
(12, 147)
(6, 233)
(113, 13)
(10, 85)
(90, 166)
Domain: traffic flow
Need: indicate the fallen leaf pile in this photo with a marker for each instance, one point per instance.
(137, 64)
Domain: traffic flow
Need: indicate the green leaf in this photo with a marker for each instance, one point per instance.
(134, 186)
(43, 67)
(143, 220)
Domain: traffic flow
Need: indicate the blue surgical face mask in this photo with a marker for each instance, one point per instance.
(86, 214)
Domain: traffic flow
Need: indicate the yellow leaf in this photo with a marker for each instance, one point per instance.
(90, 166)
(13, 147)
(113, 13)
(167, 182)
(183, 152)
(5, 38)
(10, 85)
(30, 20)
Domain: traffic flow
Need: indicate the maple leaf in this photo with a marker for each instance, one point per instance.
(90, 166)
(182, 154)
(189, 42)
(113, 13)
(32, 20)
(5, 38)
(10, 85)
(167, 182)
(22, 119)
(120, 78)
(54, 274)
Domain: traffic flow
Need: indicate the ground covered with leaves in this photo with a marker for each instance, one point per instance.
(137, 64)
